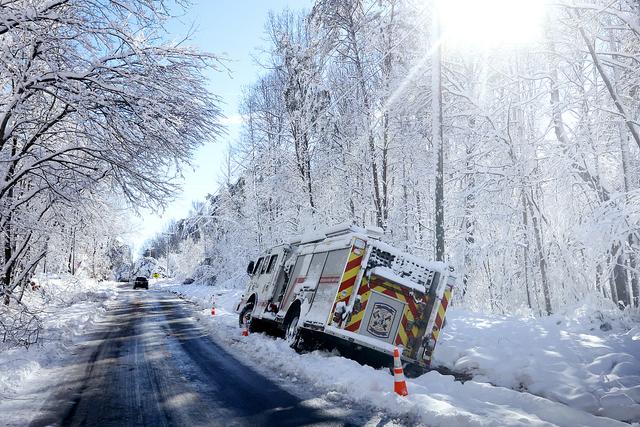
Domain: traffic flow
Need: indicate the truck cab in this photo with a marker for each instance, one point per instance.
(269, 277)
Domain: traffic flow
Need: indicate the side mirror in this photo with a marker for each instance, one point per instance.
(250, 268)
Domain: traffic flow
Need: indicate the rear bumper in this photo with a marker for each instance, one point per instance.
(359, 339)
(375, 352)
(361, 354)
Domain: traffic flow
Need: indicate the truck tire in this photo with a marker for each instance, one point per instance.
(411, 370)
(292, 332)
(245, 316)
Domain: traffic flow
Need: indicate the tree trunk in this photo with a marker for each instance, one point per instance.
(366, 101)
(542, 259)
(468, 221)
(525, 249)
(7, 231)
(387, 69)
(7, 256)
(419, 217)
(437, 136)
(633, 269)
(385, 169)
(405, 203)
(620, 279)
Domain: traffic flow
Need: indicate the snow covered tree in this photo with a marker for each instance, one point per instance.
(93, 100)
(534, 156)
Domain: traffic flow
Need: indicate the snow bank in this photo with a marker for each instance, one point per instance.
(587, 359)
(434, 399)
(66, 307)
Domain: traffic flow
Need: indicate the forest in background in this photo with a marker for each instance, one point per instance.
(538, 145)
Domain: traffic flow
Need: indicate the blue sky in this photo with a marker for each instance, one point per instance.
(235, 30)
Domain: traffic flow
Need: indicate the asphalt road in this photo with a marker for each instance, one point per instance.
(151, 364)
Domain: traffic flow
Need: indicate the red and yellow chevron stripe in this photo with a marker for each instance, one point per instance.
(442, 309)
(348, 279)
(437, 326)
(408, 330)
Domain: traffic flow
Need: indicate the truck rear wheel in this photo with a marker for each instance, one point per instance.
(411, 370)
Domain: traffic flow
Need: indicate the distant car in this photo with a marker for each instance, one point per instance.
(141, 282)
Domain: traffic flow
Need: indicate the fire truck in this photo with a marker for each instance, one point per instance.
(346, 288)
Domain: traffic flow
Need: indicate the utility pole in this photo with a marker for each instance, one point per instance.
(436, 128)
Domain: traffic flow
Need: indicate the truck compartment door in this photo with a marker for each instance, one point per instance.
(327, 287)
(305, 280)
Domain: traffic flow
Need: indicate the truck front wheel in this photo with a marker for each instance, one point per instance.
(292, 332)
(245, 316)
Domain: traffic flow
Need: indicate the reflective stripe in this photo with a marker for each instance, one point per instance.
(393, 290)
(442, 309)
(347, 280)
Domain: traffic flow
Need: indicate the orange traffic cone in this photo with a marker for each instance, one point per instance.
(213, 311)
(399, 385)
(245, 332)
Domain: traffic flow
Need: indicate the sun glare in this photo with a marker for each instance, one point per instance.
(491, 23)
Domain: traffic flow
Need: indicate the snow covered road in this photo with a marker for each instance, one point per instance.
(150, 363)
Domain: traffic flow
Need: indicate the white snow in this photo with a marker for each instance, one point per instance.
(564, 365)
(387, 273)
(67, 307)
(431, 265)
(580, 368)
(566, 358)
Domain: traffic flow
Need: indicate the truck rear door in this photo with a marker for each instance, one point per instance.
(390, 312)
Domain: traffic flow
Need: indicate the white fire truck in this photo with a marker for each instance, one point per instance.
(346, 287)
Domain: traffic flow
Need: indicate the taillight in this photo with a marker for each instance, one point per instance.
(357, 305)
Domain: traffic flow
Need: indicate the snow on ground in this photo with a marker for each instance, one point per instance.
(556, 361)
(588, 359)
(66, 307)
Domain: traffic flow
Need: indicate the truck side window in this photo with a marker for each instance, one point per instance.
(317, 263)
(272, 262)
(256, 270)
(334, 266)
(298, 275)
(298, 269)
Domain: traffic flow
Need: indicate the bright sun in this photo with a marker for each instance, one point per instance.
(491, 23)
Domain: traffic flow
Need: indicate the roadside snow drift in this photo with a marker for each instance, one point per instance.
(553, 371)
(66, 307)
(588, 359)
